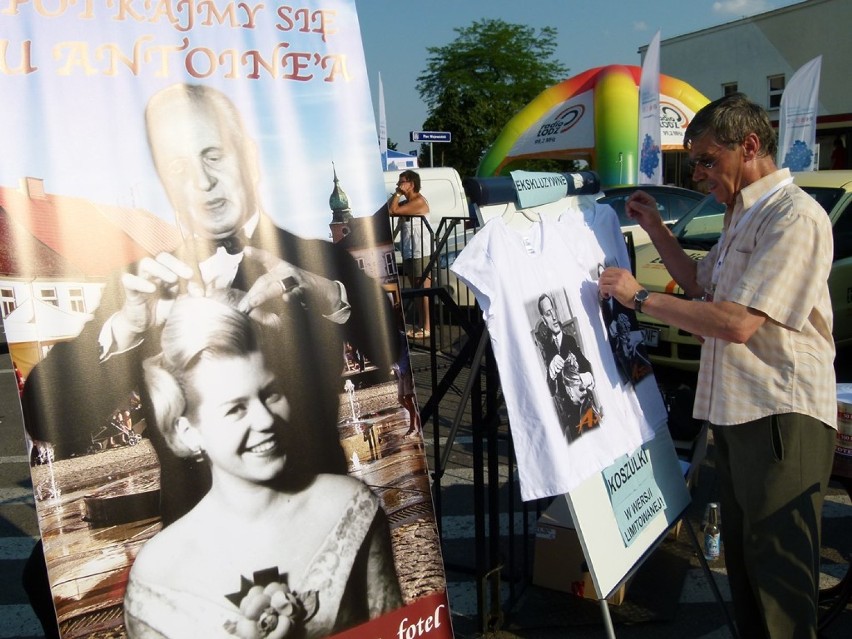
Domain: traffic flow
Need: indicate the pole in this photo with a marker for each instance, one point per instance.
(710, 579)
(431, 158)
(607, 619)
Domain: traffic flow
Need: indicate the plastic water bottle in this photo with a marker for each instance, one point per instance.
(712, 535)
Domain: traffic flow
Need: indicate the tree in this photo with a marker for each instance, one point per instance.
(474, 85)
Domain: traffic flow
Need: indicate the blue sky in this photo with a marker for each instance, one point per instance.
(397, 33)
(76, 120)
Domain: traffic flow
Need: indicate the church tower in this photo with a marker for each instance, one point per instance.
(341, 214)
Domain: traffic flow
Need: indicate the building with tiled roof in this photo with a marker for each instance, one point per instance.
(367, 239)
(95, 239)
(57, 251)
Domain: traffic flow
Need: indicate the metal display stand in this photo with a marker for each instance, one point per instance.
(491, 563)
(475, 365)
(717, 594)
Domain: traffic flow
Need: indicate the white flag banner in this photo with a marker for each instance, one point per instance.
(797, 119)
(383, 127)
(650, 153)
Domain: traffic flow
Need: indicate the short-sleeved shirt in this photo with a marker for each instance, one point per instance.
(775, 256)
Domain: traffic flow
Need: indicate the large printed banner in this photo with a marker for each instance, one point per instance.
(198, 286)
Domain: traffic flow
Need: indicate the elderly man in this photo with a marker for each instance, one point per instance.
(760, 302)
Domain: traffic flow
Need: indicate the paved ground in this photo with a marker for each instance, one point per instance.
(669, 596)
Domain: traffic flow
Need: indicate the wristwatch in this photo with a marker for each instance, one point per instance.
(640, 298)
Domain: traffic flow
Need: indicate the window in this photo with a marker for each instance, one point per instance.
(729, 87)
(78, 303)
(390, 263)
(7, 299)
(776, 90)
(48, 295)
(843, 238)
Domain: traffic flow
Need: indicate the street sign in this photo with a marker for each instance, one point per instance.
(431, 136)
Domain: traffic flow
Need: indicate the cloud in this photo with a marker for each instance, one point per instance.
(640, 26)
(741, 7)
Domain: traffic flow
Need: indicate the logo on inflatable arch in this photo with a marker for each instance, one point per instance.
(672, 117)
(563, 121)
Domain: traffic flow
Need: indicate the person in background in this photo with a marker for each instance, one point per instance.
(405, 388)
(759, 301)
(411, 207)
(838, 154)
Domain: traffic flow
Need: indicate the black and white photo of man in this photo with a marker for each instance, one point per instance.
(625, 337)
(627, 341)
(569, 374)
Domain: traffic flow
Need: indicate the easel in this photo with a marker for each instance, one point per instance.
(611, 560)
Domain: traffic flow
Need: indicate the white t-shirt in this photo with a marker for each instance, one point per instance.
(509, 271)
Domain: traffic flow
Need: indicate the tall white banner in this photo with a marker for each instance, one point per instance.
(650, 153)
(797, 119)
(180, 158)
(383, 127)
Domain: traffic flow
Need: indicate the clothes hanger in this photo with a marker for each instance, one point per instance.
(520, 219)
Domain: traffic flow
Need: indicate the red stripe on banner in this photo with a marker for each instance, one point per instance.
(427, 617)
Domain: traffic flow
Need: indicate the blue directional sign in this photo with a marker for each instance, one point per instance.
(431, 136)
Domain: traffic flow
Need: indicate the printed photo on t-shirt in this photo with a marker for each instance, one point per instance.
(569, 374)
(626, 339)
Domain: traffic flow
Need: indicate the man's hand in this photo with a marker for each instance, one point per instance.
(618, 283)
(290, 283)
(556, 365)
(148, 296)
(642, 209)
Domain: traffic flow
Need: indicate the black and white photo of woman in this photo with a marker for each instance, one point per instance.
(277, 547)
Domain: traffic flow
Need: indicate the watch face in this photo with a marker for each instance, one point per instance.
(641, 295)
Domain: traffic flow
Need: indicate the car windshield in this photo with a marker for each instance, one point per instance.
(826, 196)
(701, 227)
(672, 202)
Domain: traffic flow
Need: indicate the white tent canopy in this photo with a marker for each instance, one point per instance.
(398, 161)
(36, 320)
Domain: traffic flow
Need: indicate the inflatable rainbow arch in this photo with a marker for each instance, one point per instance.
(593, 116)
